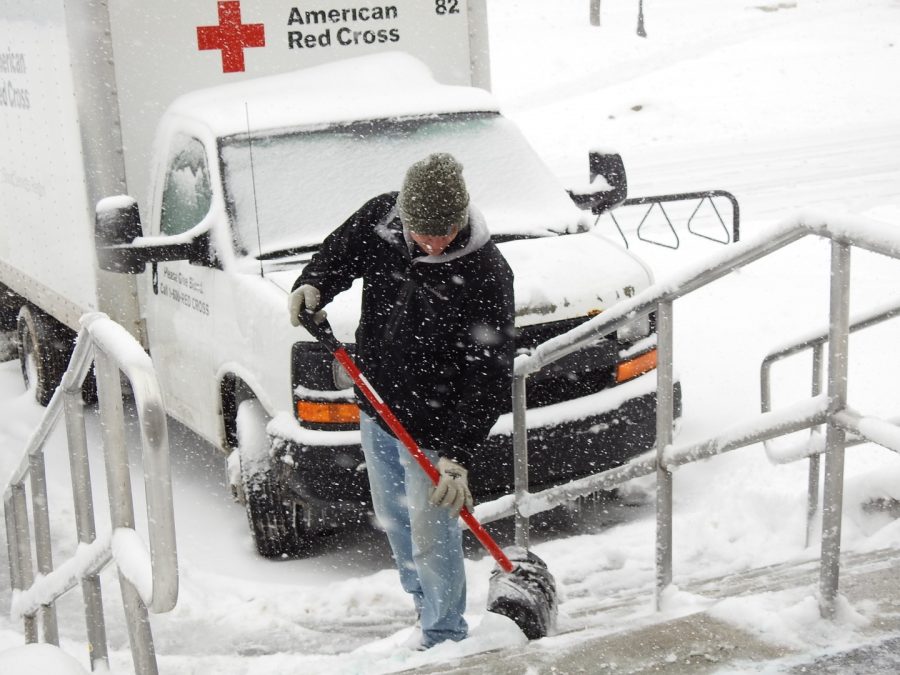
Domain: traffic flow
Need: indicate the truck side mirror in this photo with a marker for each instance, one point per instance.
(117, 224)
(611, 168)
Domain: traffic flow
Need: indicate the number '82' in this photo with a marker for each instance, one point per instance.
(446, 7)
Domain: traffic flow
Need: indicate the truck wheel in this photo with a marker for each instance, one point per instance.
(9, 309)
(276, 531)
(43, 353)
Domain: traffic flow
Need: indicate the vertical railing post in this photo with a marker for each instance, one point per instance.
(11, 544)
(595, 12)
(520, 453)
(42, 545)
(835, 437)
(19, 503)
(641, 31)
(665, 410)
(121, 505)
(812, 493)
(85, 526)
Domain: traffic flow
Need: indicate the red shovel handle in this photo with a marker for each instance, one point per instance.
(323, 333)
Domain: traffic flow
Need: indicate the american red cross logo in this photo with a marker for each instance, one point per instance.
(231, 36)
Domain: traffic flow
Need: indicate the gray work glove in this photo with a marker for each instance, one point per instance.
(305, 298)
(452, 490)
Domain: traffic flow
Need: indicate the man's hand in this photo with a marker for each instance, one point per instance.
(305, 298)
(452, 490)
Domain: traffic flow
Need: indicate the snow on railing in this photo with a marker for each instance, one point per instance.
(885, 433)
(147, 580)
(829, 409)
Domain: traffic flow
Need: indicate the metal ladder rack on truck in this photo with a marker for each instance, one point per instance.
(250, 134)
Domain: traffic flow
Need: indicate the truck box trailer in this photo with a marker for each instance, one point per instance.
(175, 165)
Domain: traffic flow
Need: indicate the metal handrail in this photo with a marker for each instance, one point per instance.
(844, 233)
(755, 430)
(112, 351)
(870, 318)
(816, 342)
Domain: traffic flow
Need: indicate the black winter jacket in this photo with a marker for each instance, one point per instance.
(435, 337)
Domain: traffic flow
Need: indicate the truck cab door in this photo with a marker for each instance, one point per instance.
(179, 315)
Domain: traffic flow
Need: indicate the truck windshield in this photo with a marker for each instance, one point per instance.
(289, 190)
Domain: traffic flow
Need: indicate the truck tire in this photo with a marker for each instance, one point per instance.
(276, 531)
(9, 309)
(43, 352)
(9, 321)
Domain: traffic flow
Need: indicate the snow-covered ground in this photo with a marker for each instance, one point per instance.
(789, 105)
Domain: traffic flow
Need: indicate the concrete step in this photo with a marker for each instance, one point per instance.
(702, 643)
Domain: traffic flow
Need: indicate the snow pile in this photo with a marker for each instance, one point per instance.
(38, 658)
(791, 619)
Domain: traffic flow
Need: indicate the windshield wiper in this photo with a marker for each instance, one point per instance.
(285, 252)
(502, 238)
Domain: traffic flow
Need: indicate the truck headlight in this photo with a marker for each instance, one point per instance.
(340, 377)
(634, 330)
(638, 344)
(321, 389)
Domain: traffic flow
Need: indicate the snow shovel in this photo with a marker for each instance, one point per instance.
(525, 591)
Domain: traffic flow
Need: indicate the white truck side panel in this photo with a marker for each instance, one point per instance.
(46, 241)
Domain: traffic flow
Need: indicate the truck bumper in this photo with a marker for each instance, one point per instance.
(330, 484)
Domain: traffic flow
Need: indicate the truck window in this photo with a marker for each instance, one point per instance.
(187, 194)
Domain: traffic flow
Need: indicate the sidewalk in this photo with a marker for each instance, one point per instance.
(701, 643)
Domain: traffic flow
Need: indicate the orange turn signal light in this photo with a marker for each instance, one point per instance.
(628, 370)
(320, 412)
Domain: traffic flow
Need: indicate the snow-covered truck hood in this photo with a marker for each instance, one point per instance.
(555, 278)
(571, 275)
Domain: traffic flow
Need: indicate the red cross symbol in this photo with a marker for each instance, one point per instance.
(231, 36)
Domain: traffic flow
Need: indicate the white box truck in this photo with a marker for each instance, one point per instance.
(244, 132)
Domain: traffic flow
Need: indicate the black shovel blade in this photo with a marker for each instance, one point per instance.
(527, 595)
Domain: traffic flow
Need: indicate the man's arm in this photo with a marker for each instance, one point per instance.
(344, 253)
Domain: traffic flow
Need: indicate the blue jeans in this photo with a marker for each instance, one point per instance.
(426, 539)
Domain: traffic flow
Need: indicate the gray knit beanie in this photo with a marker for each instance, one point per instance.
(434, 197)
